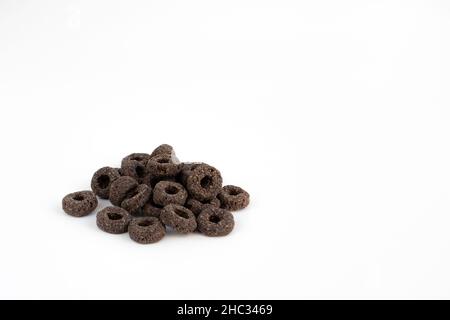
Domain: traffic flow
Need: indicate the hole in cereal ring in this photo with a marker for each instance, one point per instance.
(214, 219)
(114, 216)
(103, 181)
(206, 182)
(140, 171)
(172, 190)
(78, 197)
(145, 223)
(181, 213)
(234, 192)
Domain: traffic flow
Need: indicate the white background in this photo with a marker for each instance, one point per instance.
(334, 115)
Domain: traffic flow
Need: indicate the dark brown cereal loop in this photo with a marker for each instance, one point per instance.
(169, 192)
(102, 180)
(113, 220)
(179, 218)
(198, 206)
(215, 222)
(204, 182)
(79, 204)
(146, 230)
(137, 198)
(234, 198)
(162, 165)
(121, 188)
(134, 169)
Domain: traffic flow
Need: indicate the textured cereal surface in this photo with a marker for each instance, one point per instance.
(134, 169)
(185, 169)
(146, 230)
(234, 198)
(169, 192)
(153, 181)
(215, 222)
(162, 149)
(121, 188)
(79, 204)
(150, 209)
(134, 202)
(113, 220)
(137, 157)
(102, 180)
(204, 182)
(197, 206)
(163, 165)
(179, 218)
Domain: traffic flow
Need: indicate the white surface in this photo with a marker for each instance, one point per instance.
(333, 114)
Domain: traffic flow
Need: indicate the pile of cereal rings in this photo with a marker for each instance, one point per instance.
(153, 193)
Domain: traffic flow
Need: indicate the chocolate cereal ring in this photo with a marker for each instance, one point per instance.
(102, 180)
(138, 157)
(134, 169)
(204, 182)
(113, 220)
(198, 206)
(215, 222)
(179, 218)
(162, 165)
(146, 230)
(137, 198)
(79, 204)
(234, 198)
(121, 189)
(169, 192)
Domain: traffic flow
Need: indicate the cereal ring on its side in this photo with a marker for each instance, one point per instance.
(121, 188)
(146, 230)
(137, 198)
(215, 222)
(198, 206)
(234, 198)
(79, 204)
(169, 192)
(179, 218)
(102, 180)
(162, 149)
(162, 165)
(113, 220)
(134, 169)
(204, 182)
